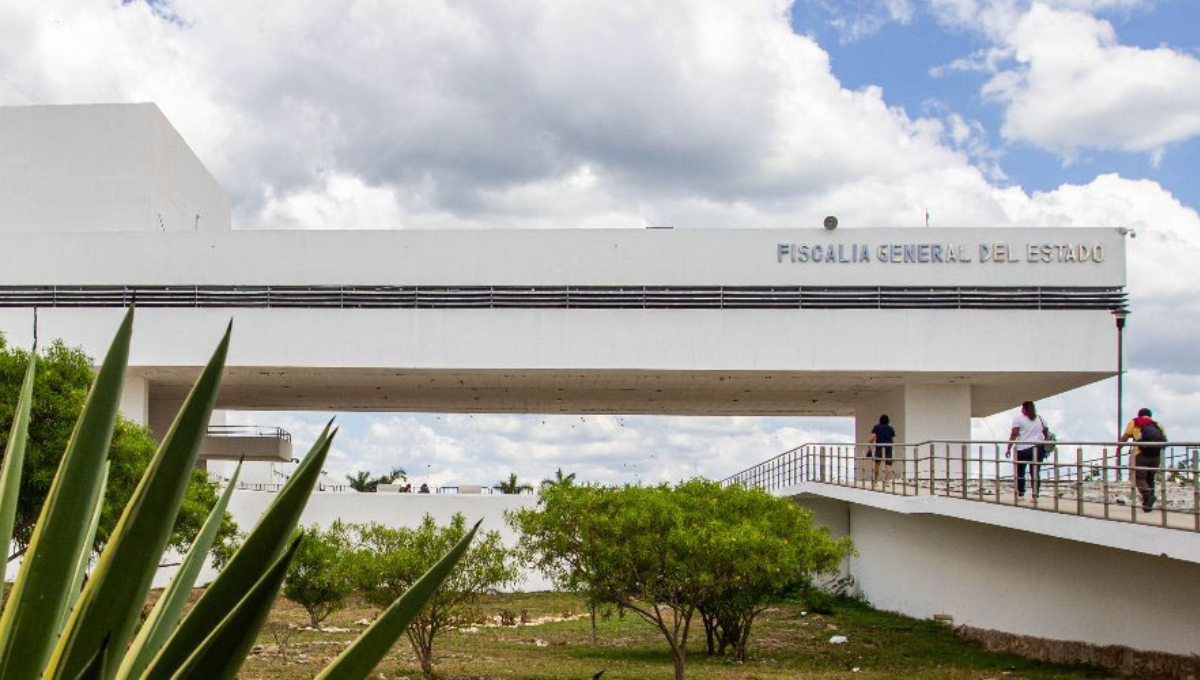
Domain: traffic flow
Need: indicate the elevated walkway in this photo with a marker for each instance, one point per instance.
(950, 537)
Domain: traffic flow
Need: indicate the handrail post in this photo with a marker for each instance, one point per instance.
(963, 469)
(1196, 490)
(1079, 485)
(1103, 477)
(1054, 461)
(821, 473)
(946, 470)
(1162, 480)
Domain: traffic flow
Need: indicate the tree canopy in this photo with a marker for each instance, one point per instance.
(512, 485)
(389, 560)
(666, 552)
(60, 388)
(363, 482)
(321, 575)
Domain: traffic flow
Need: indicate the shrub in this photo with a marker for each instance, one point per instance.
(391, 559)
(52, 627)
(320, 577)
(665, 552)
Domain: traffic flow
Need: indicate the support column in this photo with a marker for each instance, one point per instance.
(161, 413)
(135, 399)
(919, 413)
(938, 412)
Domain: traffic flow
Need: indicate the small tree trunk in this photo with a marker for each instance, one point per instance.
(678, 659)
(593, 610)
(709, 636)
(739, 650)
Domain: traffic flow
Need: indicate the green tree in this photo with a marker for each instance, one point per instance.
(321, 576)
(363, 482)
(360, 481)
(559, 479)
(391, 559)
(762, 548)
(60, 388)
(513, 485)
(665, 552)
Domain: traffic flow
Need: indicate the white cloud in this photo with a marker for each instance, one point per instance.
(539, 113)
(531, 113)
(340, 200)
(864, 19)
(1068, 84)
(1076, 87)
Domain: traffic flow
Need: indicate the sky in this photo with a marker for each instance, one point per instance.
(420, 114)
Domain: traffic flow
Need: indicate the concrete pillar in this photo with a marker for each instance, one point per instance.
(919, 413)
(135, 399)
(938, 412)
(161, 413)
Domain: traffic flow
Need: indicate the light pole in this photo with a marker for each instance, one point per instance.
(1121, 314)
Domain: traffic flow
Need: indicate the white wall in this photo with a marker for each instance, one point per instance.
(683, 257)
(1024, 580)
(936, 341)
(395, 509)
(102, 168)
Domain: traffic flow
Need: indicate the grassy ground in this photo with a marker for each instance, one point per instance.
(788, 642)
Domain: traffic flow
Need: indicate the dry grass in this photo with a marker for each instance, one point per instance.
(788, 643)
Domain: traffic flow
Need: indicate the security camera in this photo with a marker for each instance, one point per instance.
(1127, 231)
(831, 223)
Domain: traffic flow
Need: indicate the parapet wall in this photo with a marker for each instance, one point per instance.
(1021, 581)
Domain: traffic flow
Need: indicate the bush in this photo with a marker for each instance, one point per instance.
(390, 560)
(666, 552)
(321, 575)
(55, 626)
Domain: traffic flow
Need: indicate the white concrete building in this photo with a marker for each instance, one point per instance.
(104, 206)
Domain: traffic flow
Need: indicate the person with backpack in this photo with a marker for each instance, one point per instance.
(1028, 430)
(882, 436)
(1147, 455)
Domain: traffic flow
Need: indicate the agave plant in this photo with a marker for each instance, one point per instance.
(53, 626)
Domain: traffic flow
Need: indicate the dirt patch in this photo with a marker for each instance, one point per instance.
(1124, 660)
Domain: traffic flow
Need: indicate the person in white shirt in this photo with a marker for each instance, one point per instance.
(1027, 430)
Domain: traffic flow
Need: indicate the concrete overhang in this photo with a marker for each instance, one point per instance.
(1141, 538)
(249, 443)
(704, 393)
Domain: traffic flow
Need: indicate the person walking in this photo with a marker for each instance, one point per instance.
(882, 436)
(1147, 455)
(1027, 430)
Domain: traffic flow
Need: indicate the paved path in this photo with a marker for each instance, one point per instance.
(1184, 519)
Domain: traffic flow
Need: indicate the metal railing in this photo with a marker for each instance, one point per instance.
(275, 487)
(568, 297)
(1090, 479)
(249, 431)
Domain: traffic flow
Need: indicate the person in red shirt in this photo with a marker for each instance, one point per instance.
(1146, 459)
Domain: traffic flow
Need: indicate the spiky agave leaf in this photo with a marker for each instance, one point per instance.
(263, 546)
(221, 654)
(86, 558)
(29, 626)
(364, 654)
(111, 604)
(14, 461)
(165, 615)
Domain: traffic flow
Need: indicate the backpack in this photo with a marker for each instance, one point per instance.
(1151, 442)
(1151, 432)
(1044, 450)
